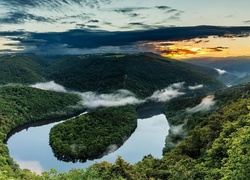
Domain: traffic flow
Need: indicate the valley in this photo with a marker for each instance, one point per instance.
(196, 104)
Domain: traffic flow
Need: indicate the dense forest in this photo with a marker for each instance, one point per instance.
(92, 135)
(210, 144)
(141, 74)
(20, 105)
(216, 147)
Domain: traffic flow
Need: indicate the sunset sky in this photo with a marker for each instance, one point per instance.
(174, 28)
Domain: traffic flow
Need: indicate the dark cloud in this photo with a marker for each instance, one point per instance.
(90, 39)
(166, 44)
(178, 51)
(107, 23)
(217, 49)
(163, 7)
(18, 11)
(175, 16)
(198, 41)
(246, 22)
(80, 26)
(172, 11)
(93, 26)
(134, 15)
(21, 17)
(53, 4)
(136, 24)
(93, 21)
(175, 13)
(128, 10)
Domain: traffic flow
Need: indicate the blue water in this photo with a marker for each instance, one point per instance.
(30, 147)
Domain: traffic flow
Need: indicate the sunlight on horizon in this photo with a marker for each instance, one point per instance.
(205, 47)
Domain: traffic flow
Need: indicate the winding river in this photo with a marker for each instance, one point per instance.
(30, 147)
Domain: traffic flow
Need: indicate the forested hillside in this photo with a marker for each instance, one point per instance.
(21, 68)
(142, 74)
(20, 105)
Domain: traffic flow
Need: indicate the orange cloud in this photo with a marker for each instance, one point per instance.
(204, 47)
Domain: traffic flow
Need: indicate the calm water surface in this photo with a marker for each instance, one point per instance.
(30, 147)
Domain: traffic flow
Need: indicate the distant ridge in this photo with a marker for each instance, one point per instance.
(140, 73)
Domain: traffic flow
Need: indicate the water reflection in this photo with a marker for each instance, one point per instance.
(30, 148)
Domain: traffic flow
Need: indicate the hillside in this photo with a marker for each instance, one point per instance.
(20, 105)
(140, 73)
(21, 68)
(213, 144)
(231, 64)
(235, 67)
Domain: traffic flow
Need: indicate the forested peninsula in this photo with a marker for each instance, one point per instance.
(92, 135)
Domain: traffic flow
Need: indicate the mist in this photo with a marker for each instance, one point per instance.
(196, 87)
(168, 93)
(50, 86)
(110, 149)
(177, 129)
(206, 104)
(220, 71)
(118, 98)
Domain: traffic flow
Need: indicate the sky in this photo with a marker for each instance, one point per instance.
(172, 28)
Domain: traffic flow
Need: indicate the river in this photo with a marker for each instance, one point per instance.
(30, 147)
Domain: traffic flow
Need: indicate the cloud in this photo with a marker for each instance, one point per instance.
(175, 16)
(58, 42)
(128, 10)
(92, 26)
(118, 98)
(124, 97)
(220, 71)
(19, 4)
(138, 24)
(20, 17)
(246, 22)
(51, 86)
(178, 51)
(196, 87)
(168, 93)
(93, 21)
(134, 15)
(163, 7)
(206, 104)
(217, 49)
(172, 10)
(34, 166)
